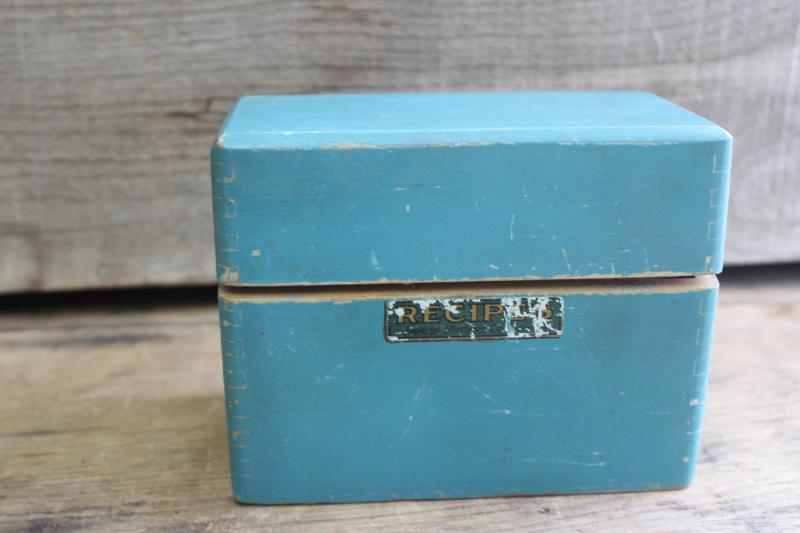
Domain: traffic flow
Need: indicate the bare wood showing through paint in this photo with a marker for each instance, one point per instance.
(344, 293)
(107, 110)
(113, 420)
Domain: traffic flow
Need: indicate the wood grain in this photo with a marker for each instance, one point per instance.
(112, 419)
(107, 109)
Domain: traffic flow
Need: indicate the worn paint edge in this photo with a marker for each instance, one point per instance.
(235, 281)
(348, 293)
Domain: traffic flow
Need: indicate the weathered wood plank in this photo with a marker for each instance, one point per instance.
(107, 109)
(112, 419)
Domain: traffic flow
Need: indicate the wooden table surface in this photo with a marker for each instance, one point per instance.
(112, 419)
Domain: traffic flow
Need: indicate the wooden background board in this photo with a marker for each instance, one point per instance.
(112, 419)
(107, 109)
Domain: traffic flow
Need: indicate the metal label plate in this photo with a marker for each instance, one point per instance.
(465, 319)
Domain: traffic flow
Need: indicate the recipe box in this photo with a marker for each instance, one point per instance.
(462, 295)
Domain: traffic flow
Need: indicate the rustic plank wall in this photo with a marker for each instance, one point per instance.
(108, 108)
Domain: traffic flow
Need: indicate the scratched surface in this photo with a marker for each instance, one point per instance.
(424, 187)
(113, 420)
(321, 408)
(473, 319)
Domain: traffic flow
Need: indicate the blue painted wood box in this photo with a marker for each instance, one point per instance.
(464, 295)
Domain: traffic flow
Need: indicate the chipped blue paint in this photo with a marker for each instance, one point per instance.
(423, 187)
(321, 408)
(323, 405)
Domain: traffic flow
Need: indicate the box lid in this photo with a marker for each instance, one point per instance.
(339, 189)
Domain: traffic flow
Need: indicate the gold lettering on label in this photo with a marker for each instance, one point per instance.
(491, 310)
(431, 314)
(409, 312)
(449, 316)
